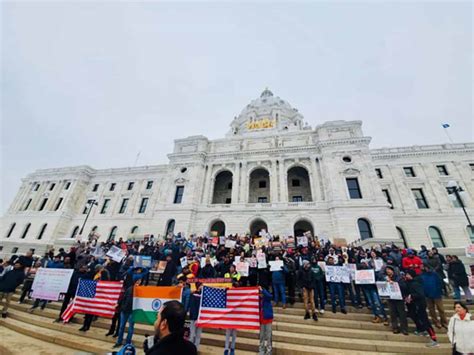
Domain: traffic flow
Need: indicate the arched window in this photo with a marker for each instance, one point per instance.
(10, 231)
(301, 227)
(170, 226)
(219, 227)
(74, 232)
(222, 187)
(257, 226)
(259, 186)
(401, 234)
(93, 231)
(364, 229)
(43, 228)
(134, 230)
(112, 234)
(25, 231)
(436, 237)
(299, 187)
(470, 231)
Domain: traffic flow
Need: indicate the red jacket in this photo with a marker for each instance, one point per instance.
(414, 263)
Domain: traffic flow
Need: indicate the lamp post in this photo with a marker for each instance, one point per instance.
(90, 203)
(456, 190)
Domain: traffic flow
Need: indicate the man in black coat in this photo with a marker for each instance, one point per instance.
(9, 282)
(169, 326)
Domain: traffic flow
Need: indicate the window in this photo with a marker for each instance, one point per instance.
(346, 159)
(10, 231)
(27, 204)
(51, 187)
(43, 228)
(113, 233)
(297, 198)
(353, 187)
(105, 206)
(409, 172)
(442, 170)
(378, 172)
(149, 185)
(36, 186)
(25, 231)
(229, 186)
(134, 230)
(143, 205)
(401, 234)
(183, 170)
(130, 185)
(67, 186)
(74, 232)
(14, 250)
(93, 230)
(178, 196)
(455, 198)
(95, 188)
(123, 206)
(472, 166)
(112, 186)
(58, 204)
(295, 182)
(262, 200)
(262, 184)
(387, 196)
(436, 238)
(364, 229)
(87, 206)
(43, 204)
(470, 231)
(228, 200)
(420, 198)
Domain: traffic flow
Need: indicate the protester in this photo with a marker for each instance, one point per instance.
(195, 304)
(433, 288)
(306, 282)
(8, 284)
(266, 319)
(336, 289)
(457, 274)
(398, 315)
(126, 315)
(461, 330)
(278, 283)
(28, 282)
(412, 262)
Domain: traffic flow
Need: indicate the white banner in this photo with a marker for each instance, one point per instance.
(116, 254)
(276, 265)
(364, 277)
(337, 274)
(49, 283)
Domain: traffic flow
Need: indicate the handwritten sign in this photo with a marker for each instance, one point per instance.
(337, 274)
(378, 264)
(364, 277)
(242, 268)
(183, 261)
(159, 267)
(352, 269)
(276, 265)
(116, 254)
(230, 244)
(303, 241)
(49, 283)
(470, 251)
(97, 252)
(390, 290)
(261, 260)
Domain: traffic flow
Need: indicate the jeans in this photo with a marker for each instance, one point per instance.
(320, 293)
(337, 288)
(124, 317)
(457, 293)
(376, 303)
(398, 315)
(265, 347)
(195, 334)
(230, 333)
(279, 292)
(417, 312)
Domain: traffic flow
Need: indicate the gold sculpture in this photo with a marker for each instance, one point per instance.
(261, 124)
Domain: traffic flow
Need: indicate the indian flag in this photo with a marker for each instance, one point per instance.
(148, 300)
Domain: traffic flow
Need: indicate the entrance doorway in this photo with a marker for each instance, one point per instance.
(301, 227)
(219, 227)
(257, 225)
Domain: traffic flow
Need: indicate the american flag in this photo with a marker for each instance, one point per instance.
(94, 297)
(233, 308)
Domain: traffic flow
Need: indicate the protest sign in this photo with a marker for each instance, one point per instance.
(308, 234)
(389, 289)
(183, 261)
(470, 251)
(290, 242)
(230, 244)
(213, 261)
(337, 274)
(159, 267)
(340, 242)
(260, 242)
(142, 261)
(221, 240)
(352, 269)
(97, 252)
(252, 261)
(49, 283)
(261, 260)
(217, 282)
(214, 234)
(262, 233)
(276, 265)
(364, 277)
(242, 268)
(378, 264)
(303, 241)
(116, 254)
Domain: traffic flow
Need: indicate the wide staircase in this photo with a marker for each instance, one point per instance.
(351, 333)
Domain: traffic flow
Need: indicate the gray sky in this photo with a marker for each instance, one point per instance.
(96, 82)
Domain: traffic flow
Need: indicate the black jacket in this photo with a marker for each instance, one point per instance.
(305, 278)
(415, 290)
(11, 280)
(208, 272)
(457, 273)
(173, 344)
(126, 303)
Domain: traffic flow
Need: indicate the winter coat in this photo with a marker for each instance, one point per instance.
(415, 290)
(126, 304)
(305, 278)
(414, 263)
(11, 280)
(432, 285)
(318, 273)
(194, 305)
(173, 344)
(457, 273)
(460, 332)
(208, 272)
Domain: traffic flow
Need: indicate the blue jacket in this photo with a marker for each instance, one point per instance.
(55, 265)
(278, 277)
(185, 297)
(266, 305)
(432, 285)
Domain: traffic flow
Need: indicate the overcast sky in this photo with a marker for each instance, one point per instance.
(96, 82)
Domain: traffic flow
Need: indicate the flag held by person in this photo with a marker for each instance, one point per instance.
(148, 300)
(233, 308)
(94, 297)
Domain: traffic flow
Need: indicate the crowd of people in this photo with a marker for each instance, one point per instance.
(424, 277)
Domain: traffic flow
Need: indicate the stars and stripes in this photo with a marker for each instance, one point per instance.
(94, 297)
(446, 125)
(235, 308)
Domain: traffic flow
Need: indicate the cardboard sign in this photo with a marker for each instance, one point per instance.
(242, 268)
(230, 244)
(364, 277)
(470, 251)
(142, 261)
(390, 290)
(276, 265)
(337, 274)
(116, 254)
(303, 241)
(159, 267)
(340, 242)
(221, 240)
(251, 261)
(378, 264)
(49, 283)
(183, 261)
(261, 260)
(98, 252)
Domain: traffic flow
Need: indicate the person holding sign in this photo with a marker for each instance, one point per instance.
(233, 274)
(398, 314)
(336, 288)
(278, 283)
(372, 296)
(305, 281)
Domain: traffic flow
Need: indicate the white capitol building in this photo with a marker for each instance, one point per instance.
(272, 171)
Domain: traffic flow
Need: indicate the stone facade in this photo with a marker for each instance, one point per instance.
(271, 171)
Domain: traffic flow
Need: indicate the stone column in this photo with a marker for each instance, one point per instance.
(244, 192)
(20, 199)
(283, 182)
(273, 182)
(207, 178)
(236, 183)
(313, 175)
(212, 180)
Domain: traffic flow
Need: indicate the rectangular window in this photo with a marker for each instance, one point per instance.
(295, 182)
(67, 186)
(51, 187)
(442, 170)
(262, 200)
(353, 187)
(123, 206)
(36, 187)
(43, 204)
(297, 198)
(105, 206)
(228, 200)
(112, 186)
(130, 185)
(149, 185)
(453, 197)
(14, 250)
(27, 205)
(58, 204)
(378, 172)
(387, 196)
(178, 196)
(420, 198)
(229, 186)
(143, 205)
(262, 184)
(409, 172)
(95, 188)
(87, 206)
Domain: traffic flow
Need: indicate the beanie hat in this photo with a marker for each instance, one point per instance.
(412, 273)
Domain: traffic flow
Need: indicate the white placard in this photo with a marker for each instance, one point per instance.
(378, 264)
(116, 254)
(49, 283)
(262, 260)
(242, 268)
(389, 289)
(337, 274)
(97, 252)
(364, 277)
(183, 261)
(230, 243)
(276, 265)
(303, 241)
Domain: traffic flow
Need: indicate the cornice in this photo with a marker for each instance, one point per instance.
(419, 151)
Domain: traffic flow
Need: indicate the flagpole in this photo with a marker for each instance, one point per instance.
(447, 134)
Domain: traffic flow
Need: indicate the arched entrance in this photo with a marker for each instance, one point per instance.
(301, 227)
(219, 227)
(259, 186)
(299, 188)
(222, 187)
(257, 225)
(170, 227)
(401, 234)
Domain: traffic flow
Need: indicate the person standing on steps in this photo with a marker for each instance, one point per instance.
(278, 283)
(266, 319)
(126, 315)
(8, 284)
(306, 282)
(82, 273)
(336, 289)
(461, 330)
(457, 274)
(433, 288)
(398, 314)
(318, 285)
(194, 307)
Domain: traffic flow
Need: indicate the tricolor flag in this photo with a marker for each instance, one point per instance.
(233, 308)
(94, 297)
(446, 125)
(148, 300)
